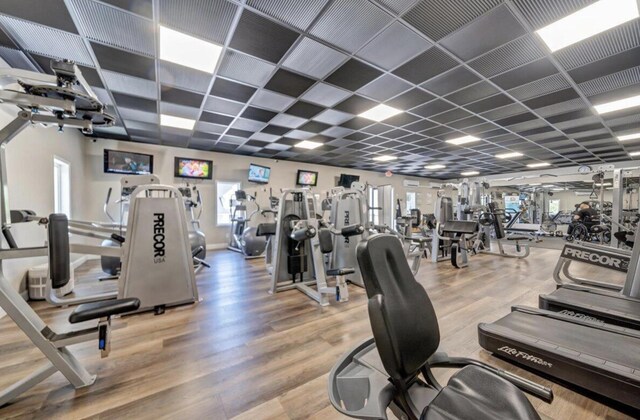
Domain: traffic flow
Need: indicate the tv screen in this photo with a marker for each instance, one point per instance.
(346, 180)
(307, 178)
(259, 174)
(120, 162)
(192, 168)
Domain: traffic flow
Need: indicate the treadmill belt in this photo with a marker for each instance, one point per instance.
(607, 305)
(601, 358)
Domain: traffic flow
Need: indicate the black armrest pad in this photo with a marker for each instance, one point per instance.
(518, 238)
(96, 310)
(340, 271)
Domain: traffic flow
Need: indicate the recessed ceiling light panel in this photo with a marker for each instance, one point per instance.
(432, 167)
(629, 137)
(188, 51)
(385, 158)
(588, 21)
(538, 165)
(625, 103)
(307, 144)
(463, 140)
(176, 122)
(470, 173)
(380, 112)
(634, 153)
(509, 155)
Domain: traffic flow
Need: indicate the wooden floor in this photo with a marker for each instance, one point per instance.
(242, 353)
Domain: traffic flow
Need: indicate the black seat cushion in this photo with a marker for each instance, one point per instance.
(340, 271)
(475, 393)
(396, 298)
(96, 310)
(518, 238)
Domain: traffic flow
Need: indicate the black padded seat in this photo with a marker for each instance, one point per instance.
(105, 308)
(518, 238)
(266, 229)
(475, 393)
(340, 271)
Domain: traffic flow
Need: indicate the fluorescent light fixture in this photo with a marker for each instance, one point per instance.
(588, 21)
(176, 122)
(548, 186)
(385, 158)
(629, 137)
(618, 105)
(463, 140)
(188, 51)
(435, 167)
(509, 155)
(606, 184)
(557, 189)
(538, 165)
(306, 144)
(380, 112)
(470, 173)
(535, 184)
(634, 153)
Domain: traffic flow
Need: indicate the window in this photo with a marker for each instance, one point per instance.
(412, 202)
(554, 207)
(61, 187)
(374, 206)
(226, 194)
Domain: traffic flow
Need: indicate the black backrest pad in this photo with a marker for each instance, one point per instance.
(402, 318)
(498, 216)
(266, 229)
(59, 257)
(325, 238)
(460, 227)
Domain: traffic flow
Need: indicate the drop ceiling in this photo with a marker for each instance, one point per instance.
(303, 70)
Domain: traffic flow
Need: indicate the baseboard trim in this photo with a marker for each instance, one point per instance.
(214, 247)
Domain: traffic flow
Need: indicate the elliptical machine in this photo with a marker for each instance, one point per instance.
(243, 238)
(192, 201)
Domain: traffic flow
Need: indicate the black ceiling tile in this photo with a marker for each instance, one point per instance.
(425, 66)
(289, 83)
(525, 74)
(436, 131)
(356, 136)
(377, 128)
(51, 13)
(90, 74)
(275, 130)
(401, 119)
(492, 102)
(609, 65)
(208, 136)
(472, 93)
(375, 140)
(304, 109)
(487, 32)
(527, 116)
(568, 116)
(394, 134)
(466, 122)
(314, 127)
(258, 143)
(450, 81)
(180, 97)
(123, 62)
(211, 117)
(353, 74)
(356, 123)
(410, 99)
(583, 128)
(420, 125)
(552, 98)
(288, 141)
(391, 144)
(6, 41)
(539, 130)
(262, 37)
(232, 90)
(432, 108)
(134, 102)
(140, 7)
(240, 133)
(452, 115)
(258, 114)
(356, 105)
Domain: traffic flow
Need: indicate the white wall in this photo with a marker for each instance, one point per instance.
(226, 167)
(30, 178)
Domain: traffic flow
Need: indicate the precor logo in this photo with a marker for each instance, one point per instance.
(158, 238)
(596, 258)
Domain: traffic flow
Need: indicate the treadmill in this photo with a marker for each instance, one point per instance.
(593, 342)
(598, 300)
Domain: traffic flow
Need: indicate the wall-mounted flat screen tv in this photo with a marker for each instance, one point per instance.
(259, 174)
(192, 168)
(346, 180)
(307, 178)
(121, 162)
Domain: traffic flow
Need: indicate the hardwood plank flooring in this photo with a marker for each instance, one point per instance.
(244, 354)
